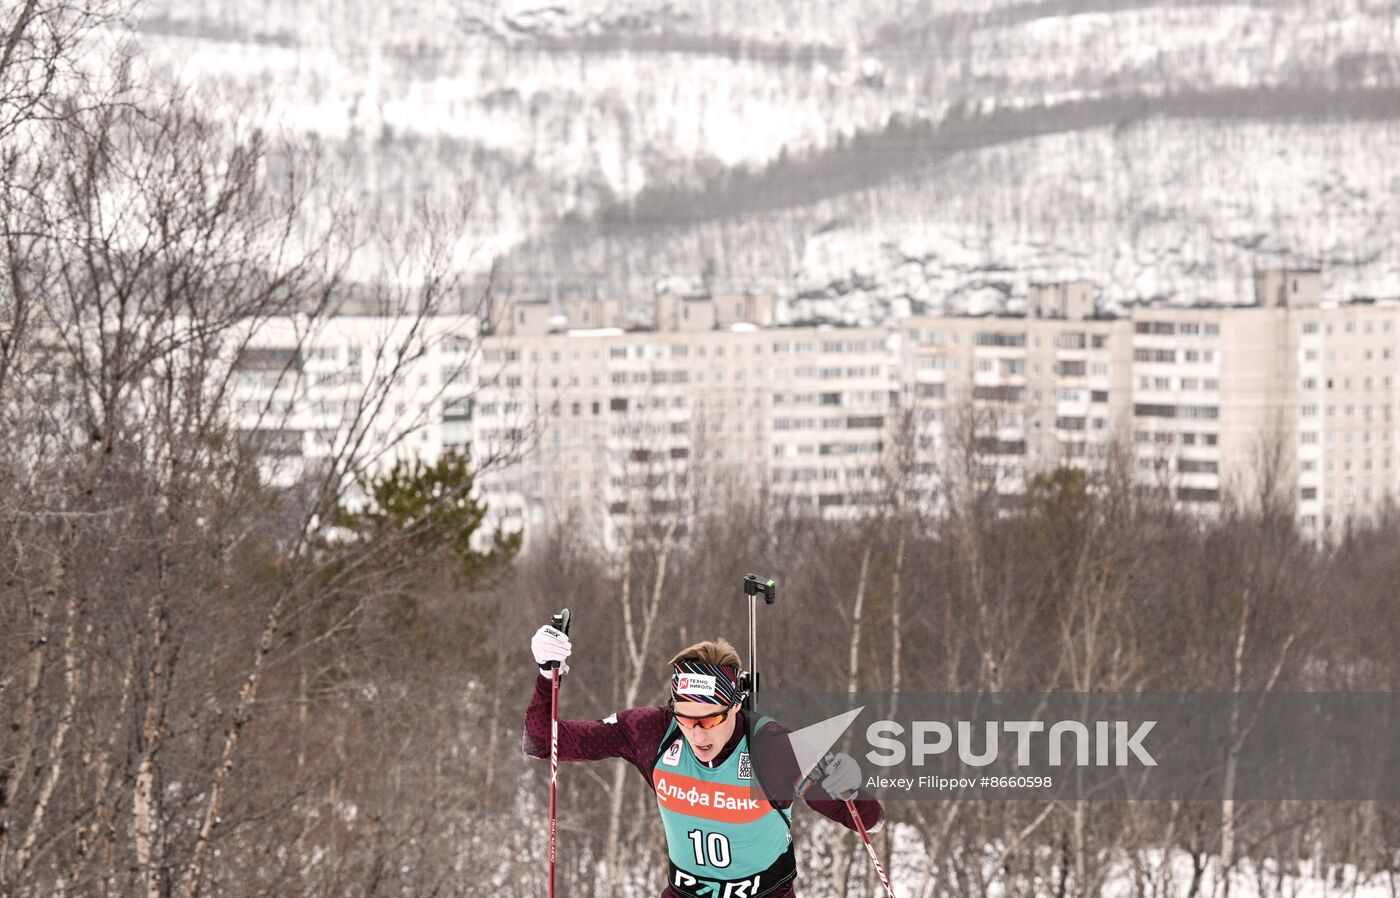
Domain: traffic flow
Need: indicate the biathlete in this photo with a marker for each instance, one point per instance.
(703, 746)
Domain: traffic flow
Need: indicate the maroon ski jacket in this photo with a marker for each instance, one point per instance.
(635, 736)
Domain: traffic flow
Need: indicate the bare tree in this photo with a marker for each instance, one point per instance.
(165, 587)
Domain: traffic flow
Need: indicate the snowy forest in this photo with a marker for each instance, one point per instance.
(212, 687)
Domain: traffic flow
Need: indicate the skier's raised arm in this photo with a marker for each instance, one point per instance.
(626, 734)
(776, 760)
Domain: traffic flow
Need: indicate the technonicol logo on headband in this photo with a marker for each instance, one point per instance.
(695, 684)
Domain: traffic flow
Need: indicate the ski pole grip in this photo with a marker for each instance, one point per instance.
(816, 774)
(559, 622)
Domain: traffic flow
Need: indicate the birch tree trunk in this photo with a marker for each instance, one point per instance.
(842, 855)
(25, 723)
(637, 637)
(896, 645)
(145, 816)
(242, 714)
(56, 741)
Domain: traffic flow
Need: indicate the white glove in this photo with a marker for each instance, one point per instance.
(549, 645)
(842, 777)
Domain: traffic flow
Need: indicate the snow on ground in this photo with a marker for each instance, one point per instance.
(910, 876)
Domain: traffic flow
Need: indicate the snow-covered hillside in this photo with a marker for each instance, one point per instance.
(548, 115)
(1170, 208)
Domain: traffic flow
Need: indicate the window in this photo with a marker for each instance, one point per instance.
(998, 338)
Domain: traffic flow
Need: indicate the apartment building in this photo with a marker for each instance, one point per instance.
(1292, 397)
(302, 388)
(616, 426)
(1215, 401)
(581, 419)
(1348, 400)
(1289, 397)
(1027, 393)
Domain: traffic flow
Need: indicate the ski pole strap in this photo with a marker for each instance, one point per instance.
(712, 684)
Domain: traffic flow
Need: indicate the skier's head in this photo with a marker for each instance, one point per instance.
(705, 695)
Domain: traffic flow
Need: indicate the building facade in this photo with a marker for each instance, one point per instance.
(1016, 395)
(303, 391)
(613, 427)
(574, 418)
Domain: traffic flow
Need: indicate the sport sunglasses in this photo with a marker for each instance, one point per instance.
(704, 722)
